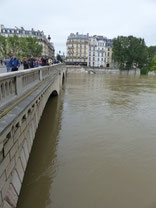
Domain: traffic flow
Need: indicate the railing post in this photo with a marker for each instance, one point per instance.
(19, 86)
(41, 77)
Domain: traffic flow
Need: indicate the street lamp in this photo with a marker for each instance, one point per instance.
(49, 38)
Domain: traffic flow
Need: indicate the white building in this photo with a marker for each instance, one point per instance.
(100, 51)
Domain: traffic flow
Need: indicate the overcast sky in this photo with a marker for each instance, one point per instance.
(59, 18)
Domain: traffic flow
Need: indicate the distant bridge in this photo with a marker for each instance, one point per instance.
(23, 96)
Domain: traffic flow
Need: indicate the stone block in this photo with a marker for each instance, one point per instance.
(8, 145)
(23, 126)
(13, 150)
(25, 147)
(1, 199)
(20, 139)
(11, 196)
(4, 135)
(20, 170)
(16, 182)
(31, 134)
(10, 167)
(5, 187)
(1, 146)
(23, 160)
(29, 143)
(6, 205)
(17, 134)
(4, 164)
(2, 180)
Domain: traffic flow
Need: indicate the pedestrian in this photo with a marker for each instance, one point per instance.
(50, 61)
(44, 61)
(25, 63)
(7, 64)
(54, 61)
(31, 62)
(36, 64)
(14, 63)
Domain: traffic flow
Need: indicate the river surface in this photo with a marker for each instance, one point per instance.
(95, 146)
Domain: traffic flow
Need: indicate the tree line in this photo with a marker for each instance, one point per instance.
(21, 46)
(131, 52)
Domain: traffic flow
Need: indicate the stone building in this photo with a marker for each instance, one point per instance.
(100, 51)
(48, 47)
(93, 51)
(77, 49)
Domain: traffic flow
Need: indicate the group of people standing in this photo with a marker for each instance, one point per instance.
(13, 64)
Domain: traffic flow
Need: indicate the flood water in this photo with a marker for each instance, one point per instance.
(95, 146)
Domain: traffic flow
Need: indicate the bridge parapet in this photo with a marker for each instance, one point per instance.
(13, 85)
(25, 94)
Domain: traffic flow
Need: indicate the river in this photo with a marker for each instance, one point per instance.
(95, 146)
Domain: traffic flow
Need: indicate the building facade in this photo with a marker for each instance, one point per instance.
(98, 50)
(48, 47)
(77, 49)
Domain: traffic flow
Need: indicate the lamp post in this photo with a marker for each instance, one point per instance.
(49, 38)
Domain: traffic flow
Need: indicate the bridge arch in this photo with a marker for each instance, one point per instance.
(54, 93)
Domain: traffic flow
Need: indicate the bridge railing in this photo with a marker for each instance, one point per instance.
(15, 84)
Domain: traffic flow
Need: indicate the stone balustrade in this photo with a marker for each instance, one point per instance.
(15, 84)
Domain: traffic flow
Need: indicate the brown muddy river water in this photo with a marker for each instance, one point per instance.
(95, 146)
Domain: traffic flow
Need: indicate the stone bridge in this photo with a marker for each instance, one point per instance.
(23, 96)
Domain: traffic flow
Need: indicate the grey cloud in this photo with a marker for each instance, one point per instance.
(105, 17)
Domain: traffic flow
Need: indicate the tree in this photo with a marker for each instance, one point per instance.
(151, 52)
(129, 52)
(33, 48)
(153, 64)
(3, 46)
(59, 58)
(21, 46)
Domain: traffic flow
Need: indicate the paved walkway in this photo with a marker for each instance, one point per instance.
(3, 69)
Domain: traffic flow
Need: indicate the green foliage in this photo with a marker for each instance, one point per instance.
(144, 71)
(21, 46)
(129, 52)
(3, 46)
(153, 64)
(151, 52)
(59, 58)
